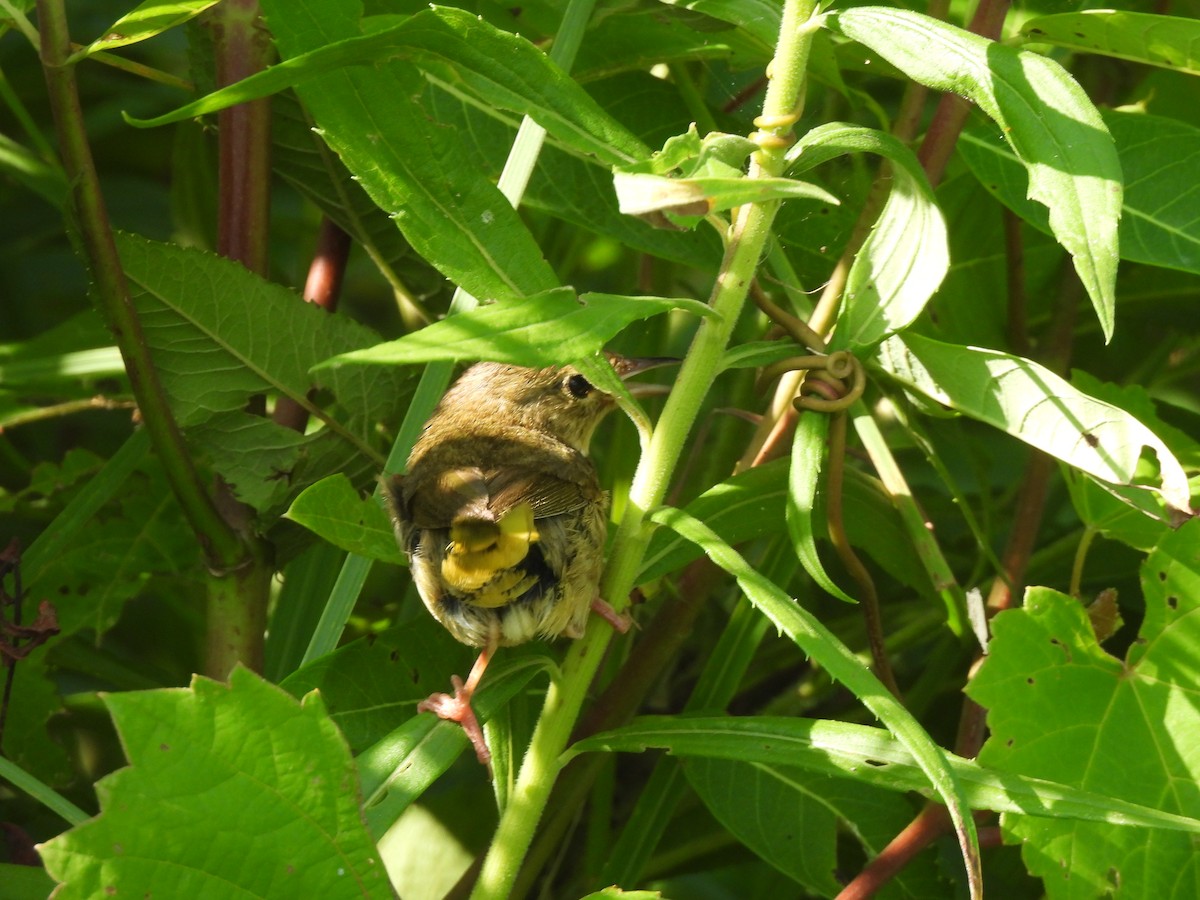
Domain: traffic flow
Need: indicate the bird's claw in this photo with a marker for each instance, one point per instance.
(457, 708)
(622, 622)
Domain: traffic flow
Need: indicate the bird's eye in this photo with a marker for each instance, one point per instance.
(579, 386)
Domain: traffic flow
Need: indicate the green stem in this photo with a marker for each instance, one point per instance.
(222, 546)
(928, 551)
(747, 240)
(1077, 564)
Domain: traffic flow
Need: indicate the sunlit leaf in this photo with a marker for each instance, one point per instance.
(1033, 404)
(640, 194)
(275, 773)
(1060, 707)
(1157, 155)
(876, 757)
(905, 257)
(335, 511)
(548, 329)
(148, 19)
(1046, 117)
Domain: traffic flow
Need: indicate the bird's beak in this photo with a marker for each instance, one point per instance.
(627, 367)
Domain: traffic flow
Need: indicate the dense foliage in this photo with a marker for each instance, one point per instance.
(909, 539)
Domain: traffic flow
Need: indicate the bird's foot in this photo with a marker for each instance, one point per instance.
(622, 622)
(457, 708)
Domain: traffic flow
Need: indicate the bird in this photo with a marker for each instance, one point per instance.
(502, 515)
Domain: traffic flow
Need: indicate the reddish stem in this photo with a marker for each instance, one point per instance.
(243, 48)
(323, 287)
(930, 824)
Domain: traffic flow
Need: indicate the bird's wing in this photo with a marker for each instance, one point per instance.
(471, 493)
(547, 494)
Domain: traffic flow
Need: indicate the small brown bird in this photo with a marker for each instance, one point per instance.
(502, 515)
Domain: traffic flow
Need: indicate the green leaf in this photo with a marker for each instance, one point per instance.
(372, 687)
(1033, 404)
(309, 165)
(148, 19)
(795, 822)
(876, 757)
(1060, 707)
(548, 329)
(1166, 41)
(906, 255)
(1132, 518)
(693, 176)
(1051, 124)
(208, 319)
(275, 773)
(808, 456)
(100, 487)
(404, 764)
(220, 334)
(824, 648)
(690, 155)
(29, 369)
(1155, 154)
(786, 825)
(499, 69)
(638, 42)
(308, 581)
(121, 529)
(44, 794)
(90, 562)
(335, 511)
(254, 454)
(750, 505)
(29, 169)
(379, 121)
(34, 703)
(723, 671)
(569, 187)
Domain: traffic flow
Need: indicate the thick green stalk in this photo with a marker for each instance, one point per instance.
(746, 242)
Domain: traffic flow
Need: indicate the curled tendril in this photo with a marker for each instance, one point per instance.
(841, 366)
(834, 382)
(791, 364)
